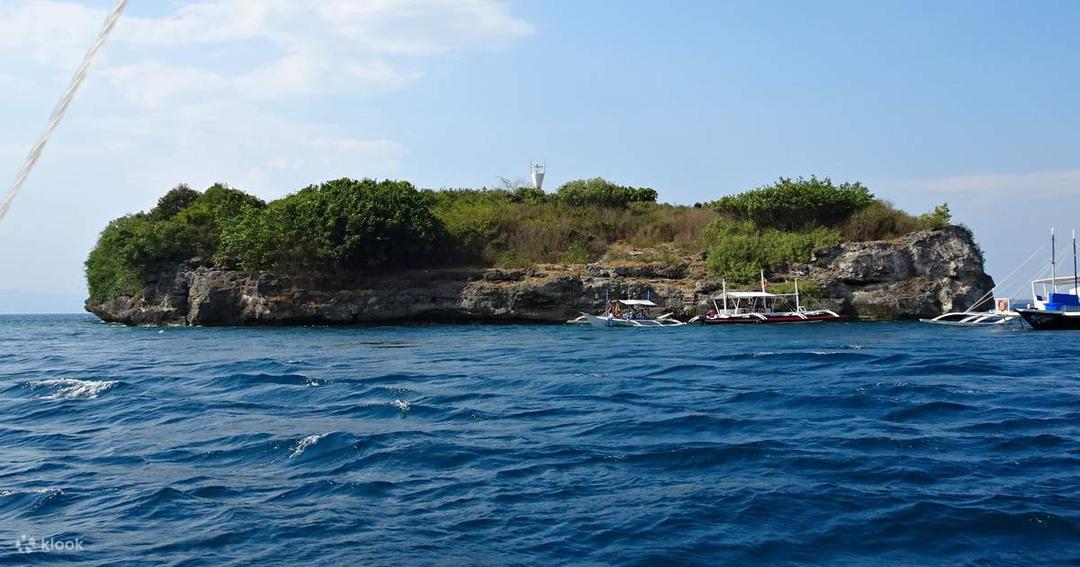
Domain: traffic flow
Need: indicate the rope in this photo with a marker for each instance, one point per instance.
(990, 293)
(1043, 271)
(62, 107)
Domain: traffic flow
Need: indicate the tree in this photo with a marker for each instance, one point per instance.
(345, 223)
(176, 200)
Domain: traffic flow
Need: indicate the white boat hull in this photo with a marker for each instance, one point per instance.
(975, 319)
(608, 321)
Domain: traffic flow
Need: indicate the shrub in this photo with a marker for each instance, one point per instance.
(197, 228)
(937, 219)
(497, 227)
(809, 290)
(576, 253)
(602, 193)
(739, 251)
(879, 221)
(184, 224)
(473, 221)
(113, 266)
(257, 239)
(529, 195)
(341, 225)
(795, 204)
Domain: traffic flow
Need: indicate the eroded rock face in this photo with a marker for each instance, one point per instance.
(919, 275)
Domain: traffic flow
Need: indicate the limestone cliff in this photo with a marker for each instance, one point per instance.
(919, 275)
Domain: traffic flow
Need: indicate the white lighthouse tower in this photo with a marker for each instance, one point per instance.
(538, 176)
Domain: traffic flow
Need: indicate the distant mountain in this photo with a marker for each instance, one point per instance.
(24, 302)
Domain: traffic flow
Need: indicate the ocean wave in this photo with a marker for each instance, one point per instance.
(927, 410)
(28, 503)
(306, 442)
(245, 380)
(68, 388)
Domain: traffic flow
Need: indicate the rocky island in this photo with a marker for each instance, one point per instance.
(355, 252)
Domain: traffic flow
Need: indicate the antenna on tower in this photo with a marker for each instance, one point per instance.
(537, 170)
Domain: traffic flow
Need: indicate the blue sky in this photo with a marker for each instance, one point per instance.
(967, 102)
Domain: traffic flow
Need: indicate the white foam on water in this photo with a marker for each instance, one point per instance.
(50, 491)
(68, 388)
(401, 405)
(305, 443)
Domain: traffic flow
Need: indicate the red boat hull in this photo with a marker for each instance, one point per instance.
(772, 318)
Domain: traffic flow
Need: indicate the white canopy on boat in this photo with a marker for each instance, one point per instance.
(742, 294)
(752, 295)
(642, 302)
(1061, 280)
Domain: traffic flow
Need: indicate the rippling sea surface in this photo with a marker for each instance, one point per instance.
(830, 443)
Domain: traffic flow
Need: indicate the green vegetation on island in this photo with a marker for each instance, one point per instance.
(348, 226)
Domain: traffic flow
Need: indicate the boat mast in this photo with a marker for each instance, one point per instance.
(797, 306)
(724, 283)
(1076, 276)
(764, 302)
(1053, 261)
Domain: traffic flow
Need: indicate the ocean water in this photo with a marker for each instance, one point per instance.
(851, 444)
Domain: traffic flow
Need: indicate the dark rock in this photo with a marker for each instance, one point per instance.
(651, 271)
(505, 275)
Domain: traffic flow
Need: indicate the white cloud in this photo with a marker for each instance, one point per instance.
(203, 83)
(239, 144)
(421, 27)
(303, 46)
(51, 33)
(1042, 183)
(153, 84)
(213, 90)
(204, 22)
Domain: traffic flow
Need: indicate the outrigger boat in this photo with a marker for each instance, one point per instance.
(1053, 310)
(1001, 314)
(628, 313)
(751, 307)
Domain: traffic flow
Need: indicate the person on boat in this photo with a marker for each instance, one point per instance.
(712, 314)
